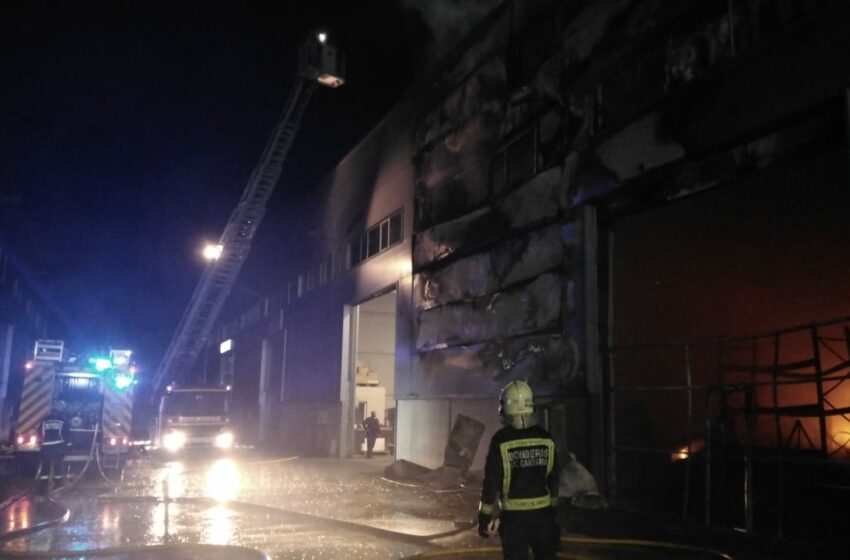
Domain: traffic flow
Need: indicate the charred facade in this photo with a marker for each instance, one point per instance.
(580, 180)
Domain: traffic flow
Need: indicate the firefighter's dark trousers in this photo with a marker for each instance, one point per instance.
(521, 530)
(51, 464)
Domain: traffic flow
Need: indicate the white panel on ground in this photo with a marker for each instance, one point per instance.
(486, 412)
(422, 431)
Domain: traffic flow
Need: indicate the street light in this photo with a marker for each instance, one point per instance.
(212, 252)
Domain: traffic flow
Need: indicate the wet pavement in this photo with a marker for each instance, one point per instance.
(286, 508)
(308, 504)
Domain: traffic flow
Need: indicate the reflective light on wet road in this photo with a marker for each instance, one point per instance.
(218, 526)
(170, 480)
(222, 481)
(110, 517)
(18, 515)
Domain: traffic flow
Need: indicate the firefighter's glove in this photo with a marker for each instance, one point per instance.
(484, 520)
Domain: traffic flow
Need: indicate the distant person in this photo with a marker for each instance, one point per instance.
(54, 436)
(373, 430)
(521, 472)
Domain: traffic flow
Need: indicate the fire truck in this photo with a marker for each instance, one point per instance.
(192, 417)
(94, 394)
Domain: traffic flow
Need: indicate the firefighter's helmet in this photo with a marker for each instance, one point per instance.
(516, 398)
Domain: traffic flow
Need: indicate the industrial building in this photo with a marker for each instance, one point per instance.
(640, 207)
(24, 314)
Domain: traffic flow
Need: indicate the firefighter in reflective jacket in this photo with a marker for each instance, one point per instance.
(54, 435)
(522, 473)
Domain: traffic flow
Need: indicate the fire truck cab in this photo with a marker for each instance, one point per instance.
(194, 417)
(94, 394)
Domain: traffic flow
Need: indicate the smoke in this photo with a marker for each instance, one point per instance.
(450, 20)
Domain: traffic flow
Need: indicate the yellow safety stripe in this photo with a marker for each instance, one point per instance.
(506, 469)
(117, 412)
(36, 396)
(524, 504)
(485, 508)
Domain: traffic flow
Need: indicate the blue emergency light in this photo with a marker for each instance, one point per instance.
(100, 363)
(122, 381)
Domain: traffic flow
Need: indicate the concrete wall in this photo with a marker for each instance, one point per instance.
(24, 317)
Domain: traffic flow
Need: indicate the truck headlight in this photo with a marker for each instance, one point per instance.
(174, 440)
(224, 440)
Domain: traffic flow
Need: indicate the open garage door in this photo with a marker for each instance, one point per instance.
(370, 364)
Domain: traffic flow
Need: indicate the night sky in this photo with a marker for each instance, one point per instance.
(130, 129)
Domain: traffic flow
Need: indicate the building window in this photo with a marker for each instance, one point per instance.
(325, 270)
(311, 280)
(250, 316)
(529, 47)
(283, 367)
(373, 242)
(376, 239)
(515, 163)
(394, 229)
(226, 372)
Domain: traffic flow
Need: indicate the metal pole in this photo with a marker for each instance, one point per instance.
(749, 505)
(689, 382)
(819, 386)
(708, 449)
(730, 16)
(847, 123)
(780, 465)
(612, 429)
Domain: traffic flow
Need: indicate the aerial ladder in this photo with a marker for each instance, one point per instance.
(319, 63)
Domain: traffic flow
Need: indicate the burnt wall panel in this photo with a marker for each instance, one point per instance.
(637, 148)
(515, 260)
(536, 202)
(769, 82)
(453, 176)
(480, 93)
(548, 361)
(524, 309)
(486, 40)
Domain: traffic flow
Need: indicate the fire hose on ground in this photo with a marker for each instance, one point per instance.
(582, 540)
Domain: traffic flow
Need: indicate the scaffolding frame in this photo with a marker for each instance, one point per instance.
(736, 395)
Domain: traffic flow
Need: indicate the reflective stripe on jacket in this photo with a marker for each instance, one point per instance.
(52, 431)
(521, 470)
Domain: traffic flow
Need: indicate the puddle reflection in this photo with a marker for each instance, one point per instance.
(18, 514)
(223, 481)
(218, 526)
